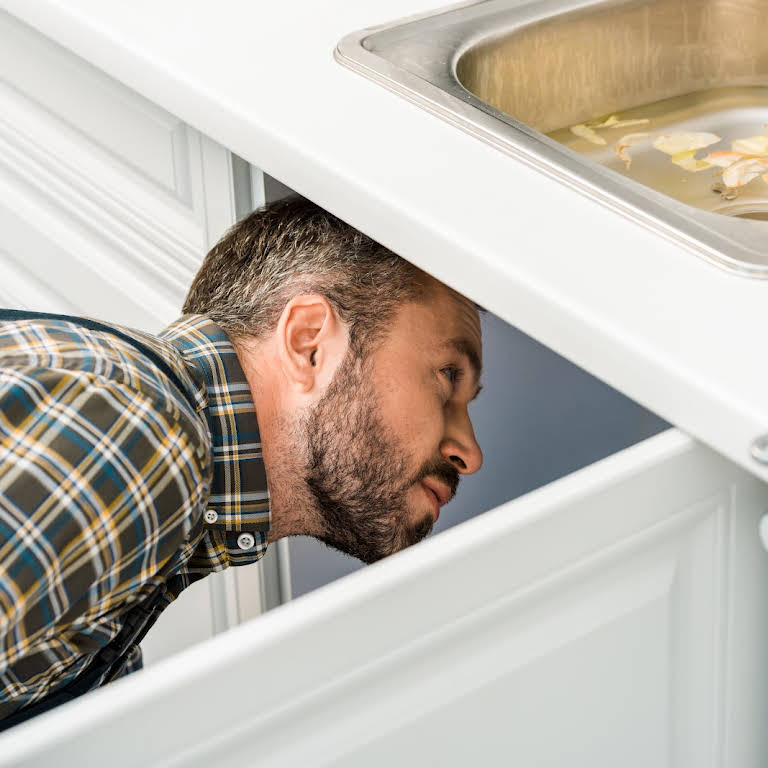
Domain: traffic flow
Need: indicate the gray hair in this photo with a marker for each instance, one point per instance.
(291, 247)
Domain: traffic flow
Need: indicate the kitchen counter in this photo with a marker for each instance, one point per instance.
(677, 334)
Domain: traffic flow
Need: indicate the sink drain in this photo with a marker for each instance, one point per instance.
(757, 215)
(752, 212)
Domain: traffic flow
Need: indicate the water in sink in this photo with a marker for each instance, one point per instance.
(732, 113)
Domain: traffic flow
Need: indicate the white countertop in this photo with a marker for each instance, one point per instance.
(680, 336)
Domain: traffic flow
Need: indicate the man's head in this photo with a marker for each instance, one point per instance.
(361, 367)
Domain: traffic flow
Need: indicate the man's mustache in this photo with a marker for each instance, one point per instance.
(442, 470)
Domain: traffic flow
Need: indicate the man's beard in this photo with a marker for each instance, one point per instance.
(357, 471)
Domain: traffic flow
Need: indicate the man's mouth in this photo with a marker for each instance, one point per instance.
(437, 493)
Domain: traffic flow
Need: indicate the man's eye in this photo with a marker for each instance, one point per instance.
(451, 373)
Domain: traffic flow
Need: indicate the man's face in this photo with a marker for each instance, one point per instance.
(390, 437)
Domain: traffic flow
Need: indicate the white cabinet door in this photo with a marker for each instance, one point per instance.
(617, 617)
(103, 196)
(107, 206)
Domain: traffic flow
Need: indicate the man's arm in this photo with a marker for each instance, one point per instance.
(99, 486)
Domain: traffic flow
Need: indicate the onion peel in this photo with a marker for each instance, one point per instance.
(677, 143)
(723, 159)
(743, 171)
(585, 132)
(755, 145)
(614, 122)
(688, 161)
(630, 140)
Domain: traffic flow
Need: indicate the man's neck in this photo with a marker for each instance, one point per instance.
(291, 504)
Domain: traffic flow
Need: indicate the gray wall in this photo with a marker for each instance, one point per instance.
(538, 418)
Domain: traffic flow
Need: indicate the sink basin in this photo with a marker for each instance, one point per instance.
(519, 75)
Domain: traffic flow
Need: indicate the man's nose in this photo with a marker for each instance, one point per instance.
(460, 447)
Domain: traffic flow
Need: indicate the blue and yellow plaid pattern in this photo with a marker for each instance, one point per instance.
(105, 473)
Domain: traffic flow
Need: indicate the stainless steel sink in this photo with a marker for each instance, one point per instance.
(518, 74)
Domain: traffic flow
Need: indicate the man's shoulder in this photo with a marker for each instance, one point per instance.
(40, 344)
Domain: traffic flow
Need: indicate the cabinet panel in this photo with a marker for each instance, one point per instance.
(20, 288)
(79, 146)
(107, 114)
(608, 663)
(55, 180)
(185, 622)
(47, 264)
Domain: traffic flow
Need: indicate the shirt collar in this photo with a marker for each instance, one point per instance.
(239, 493)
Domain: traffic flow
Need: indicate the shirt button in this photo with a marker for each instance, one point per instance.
(245, 541)
(211, 516)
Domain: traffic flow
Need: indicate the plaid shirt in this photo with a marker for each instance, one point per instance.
(110, 484)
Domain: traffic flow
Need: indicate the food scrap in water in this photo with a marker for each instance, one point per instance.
(721, 189)
(743, 163)
(585, 132)
(681, 146)
(688, 162)
(589, 129)
(678, 143)
(745, 170)
(723, 159)
(757, 145)
(747, 160)
(630, 140)
(614, 122)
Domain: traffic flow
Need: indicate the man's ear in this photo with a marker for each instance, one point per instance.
(311, 341)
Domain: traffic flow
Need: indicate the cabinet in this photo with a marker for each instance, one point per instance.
(614, 617)
(107, 205)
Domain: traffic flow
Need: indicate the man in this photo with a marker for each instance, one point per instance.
(132, 465)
